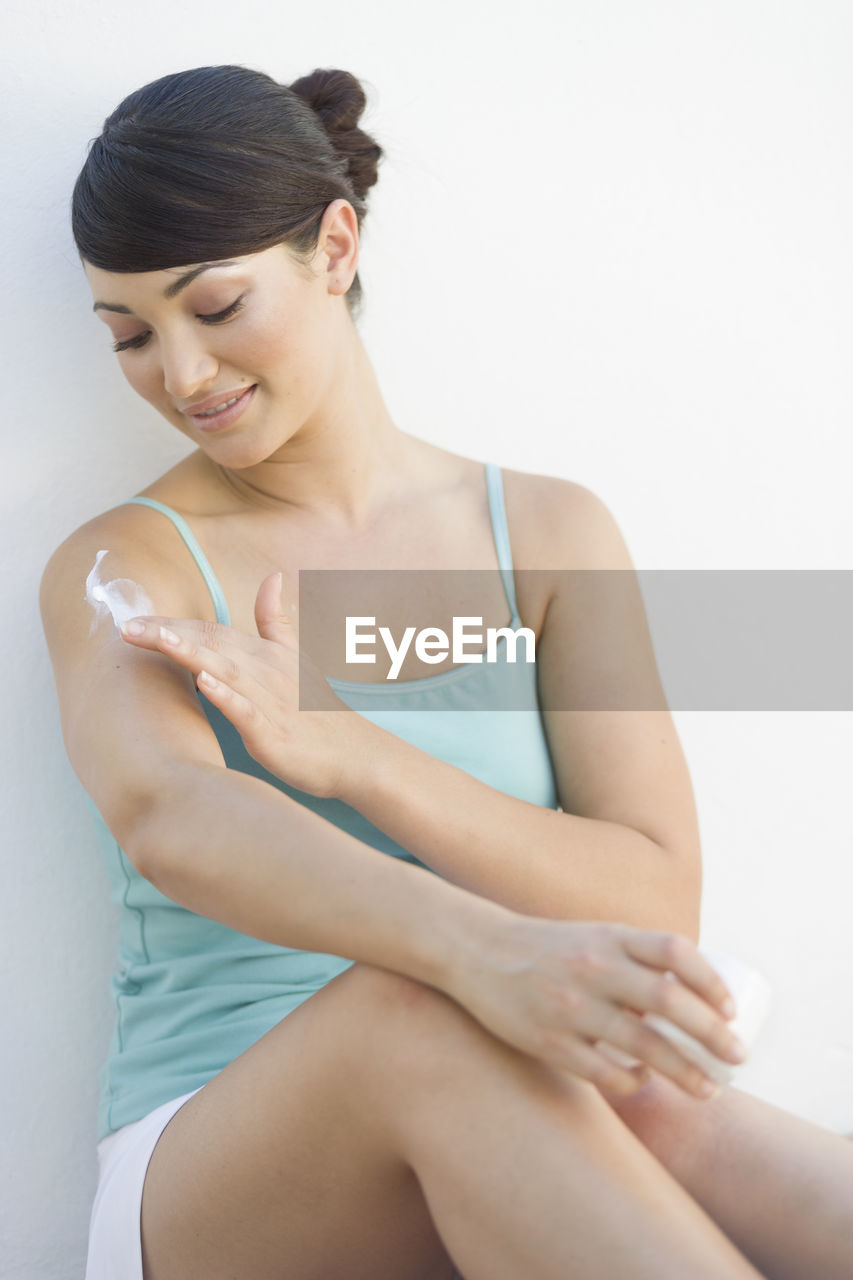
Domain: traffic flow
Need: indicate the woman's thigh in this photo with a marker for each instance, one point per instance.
(285, 1163)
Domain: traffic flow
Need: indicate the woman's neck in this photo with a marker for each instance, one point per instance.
(344, 462)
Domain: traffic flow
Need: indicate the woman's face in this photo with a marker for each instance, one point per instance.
(261, 330)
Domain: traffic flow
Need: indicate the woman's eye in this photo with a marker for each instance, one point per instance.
(139, 341)
(217, 318)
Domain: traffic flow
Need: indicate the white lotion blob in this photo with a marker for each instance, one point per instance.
(120, 598)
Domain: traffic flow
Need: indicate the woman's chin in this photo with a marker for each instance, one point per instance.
(240, 453)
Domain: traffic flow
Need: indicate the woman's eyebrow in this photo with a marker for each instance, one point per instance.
(171, 290)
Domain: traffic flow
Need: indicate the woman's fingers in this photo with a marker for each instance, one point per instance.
(616, 1030)
(657, 985)
(245, 715)
(275, 615)
(623, 974)
(599, 1065)
(194, 645)
(676, 953)
(666, 996)
(635, 1073)
(213, 637)
(632, 1035)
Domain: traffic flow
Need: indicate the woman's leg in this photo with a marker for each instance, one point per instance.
(378, 1128)
(780, 1187)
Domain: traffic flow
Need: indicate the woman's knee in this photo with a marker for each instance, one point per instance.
(422, 1034)
(669, 1122)
(368, 988)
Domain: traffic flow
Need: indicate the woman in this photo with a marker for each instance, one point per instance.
(330, 1062)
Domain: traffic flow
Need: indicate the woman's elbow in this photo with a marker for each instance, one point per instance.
(687, 895)
(150, 823)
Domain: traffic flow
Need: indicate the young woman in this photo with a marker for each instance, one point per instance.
(374, 966)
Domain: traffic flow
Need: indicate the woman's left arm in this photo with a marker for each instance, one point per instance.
(544, 862)
(625, 846)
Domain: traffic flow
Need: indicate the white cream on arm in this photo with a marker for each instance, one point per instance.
(119, 598)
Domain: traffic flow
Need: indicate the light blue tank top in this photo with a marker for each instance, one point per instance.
(190, 993)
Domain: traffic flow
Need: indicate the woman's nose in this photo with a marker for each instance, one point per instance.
(187, 367)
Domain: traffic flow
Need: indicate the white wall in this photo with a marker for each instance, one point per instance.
(611, 241)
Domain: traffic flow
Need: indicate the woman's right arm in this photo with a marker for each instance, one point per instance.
(232, 848)
(221, 843)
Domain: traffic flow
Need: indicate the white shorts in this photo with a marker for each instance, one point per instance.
(115, 1240)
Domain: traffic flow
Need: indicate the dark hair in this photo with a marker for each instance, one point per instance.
(222, 161)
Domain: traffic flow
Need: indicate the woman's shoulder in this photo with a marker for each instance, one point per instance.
(553, 522)
(526, 491)
(557, 523)
(137, 543)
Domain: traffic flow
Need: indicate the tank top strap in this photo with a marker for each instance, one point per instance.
(500, 531)
(217, 595)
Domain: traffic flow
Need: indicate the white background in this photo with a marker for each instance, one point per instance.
(610, 241)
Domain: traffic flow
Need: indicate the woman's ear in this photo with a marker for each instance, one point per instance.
(338, 242)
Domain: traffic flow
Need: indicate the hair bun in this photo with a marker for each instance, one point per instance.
(338, 98)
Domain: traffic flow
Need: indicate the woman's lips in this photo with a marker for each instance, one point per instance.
(207, 421)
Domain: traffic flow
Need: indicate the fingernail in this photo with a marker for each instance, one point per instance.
(708, 1089)
(206, 679)
(169, 637)
(132, 628)
(738, 1051)
(728, 1007)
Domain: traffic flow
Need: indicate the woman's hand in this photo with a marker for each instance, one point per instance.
(256, 683)
(571, 992)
